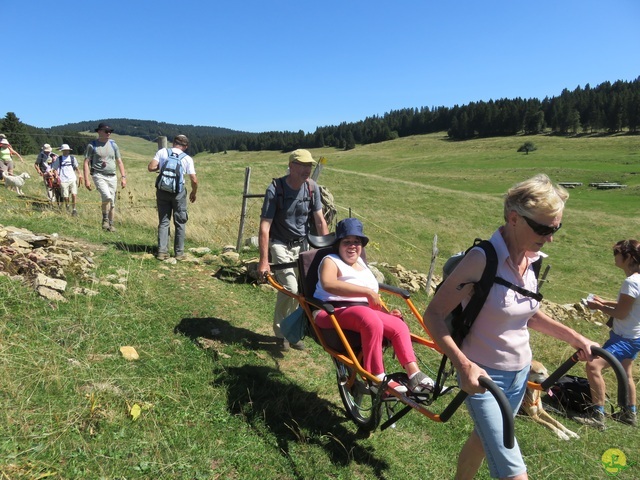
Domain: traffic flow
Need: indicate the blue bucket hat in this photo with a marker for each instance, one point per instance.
(350, 226)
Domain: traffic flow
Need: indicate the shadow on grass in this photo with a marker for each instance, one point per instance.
(39, 204)
(135, 248)
(274, 406)
(221, 330)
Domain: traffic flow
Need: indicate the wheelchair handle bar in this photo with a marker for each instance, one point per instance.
(621, 376)
(503, 403)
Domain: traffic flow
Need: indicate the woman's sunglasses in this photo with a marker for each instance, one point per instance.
(542, 230)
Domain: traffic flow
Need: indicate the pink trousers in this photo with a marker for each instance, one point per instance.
(373, 325)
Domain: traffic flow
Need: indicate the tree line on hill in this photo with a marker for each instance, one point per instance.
(609, 108)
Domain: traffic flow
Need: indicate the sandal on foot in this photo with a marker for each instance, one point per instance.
(421, 383)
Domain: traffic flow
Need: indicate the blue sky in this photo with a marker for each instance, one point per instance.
(296, 65)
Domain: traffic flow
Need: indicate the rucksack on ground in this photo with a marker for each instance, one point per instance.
(570, 395)
(171, 179)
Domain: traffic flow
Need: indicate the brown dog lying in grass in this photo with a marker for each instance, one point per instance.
(532, 404)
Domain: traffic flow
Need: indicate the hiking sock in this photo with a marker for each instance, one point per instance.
(599, 408)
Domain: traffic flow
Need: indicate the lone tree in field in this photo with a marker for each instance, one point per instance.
(527, 147)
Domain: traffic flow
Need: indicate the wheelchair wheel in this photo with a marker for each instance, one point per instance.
(359, 401)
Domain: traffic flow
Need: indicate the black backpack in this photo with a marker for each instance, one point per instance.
(278, 184)
(569, 395)
(461, 319)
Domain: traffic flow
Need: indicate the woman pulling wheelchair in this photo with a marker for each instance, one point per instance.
(348, 284)
(497, 346)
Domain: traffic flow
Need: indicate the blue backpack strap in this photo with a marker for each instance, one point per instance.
(169, 152)
(94, 144)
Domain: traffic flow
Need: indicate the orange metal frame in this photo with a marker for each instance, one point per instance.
(350, 358)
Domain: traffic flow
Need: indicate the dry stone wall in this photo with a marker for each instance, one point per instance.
(44, 262)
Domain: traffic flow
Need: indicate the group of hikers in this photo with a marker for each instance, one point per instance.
(60, 175)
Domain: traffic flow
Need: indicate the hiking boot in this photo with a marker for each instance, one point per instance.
(105, 224)
(181, 257)
(74, 213)
(285, 346)
(593, 418)
(111, 228)
(162, 256)
(626, 416)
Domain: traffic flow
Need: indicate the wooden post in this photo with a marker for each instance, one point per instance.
(243, 213)
(434, 254)
(162, 142)
(245, 195)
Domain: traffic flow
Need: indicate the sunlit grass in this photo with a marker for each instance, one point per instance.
(235, 407)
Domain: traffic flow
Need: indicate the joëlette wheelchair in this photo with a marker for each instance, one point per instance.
(363, 404)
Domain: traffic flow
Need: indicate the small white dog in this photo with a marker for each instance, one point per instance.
(532, 404)
(16, 182)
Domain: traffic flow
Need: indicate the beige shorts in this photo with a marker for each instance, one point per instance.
(69, 188)
(106, 185)
(6, 166)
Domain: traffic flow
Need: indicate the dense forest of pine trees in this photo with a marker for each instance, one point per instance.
(607, 108)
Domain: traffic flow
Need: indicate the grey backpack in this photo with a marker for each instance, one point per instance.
(170, 179)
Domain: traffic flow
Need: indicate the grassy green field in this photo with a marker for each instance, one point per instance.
(218, 399)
